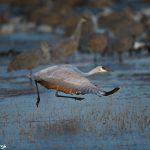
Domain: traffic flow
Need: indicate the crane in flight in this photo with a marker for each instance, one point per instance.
(70, 80)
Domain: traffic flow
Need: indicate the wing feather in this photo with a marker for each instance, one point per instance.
(65, 78)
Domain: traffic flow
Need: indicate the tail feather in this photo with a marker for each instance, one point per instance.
(104, 93)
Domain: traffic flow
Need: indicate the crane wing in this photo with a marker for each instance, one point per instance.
(65, 79)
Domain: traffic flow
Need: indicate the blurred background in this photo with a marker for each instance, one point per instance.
(24, 22)
(35, 34)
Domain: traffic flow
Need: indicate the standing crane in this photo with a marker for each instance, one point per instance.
(94, 41)
(70, 80)
(69, 45)
(31, 59)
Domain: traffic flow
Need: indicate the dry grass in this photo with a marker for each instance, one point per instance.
(110, 120)
(27, 133)
(107, 121)
(61, 127)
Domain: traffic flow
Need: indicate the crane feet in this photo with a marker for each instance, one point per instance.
(79, 98)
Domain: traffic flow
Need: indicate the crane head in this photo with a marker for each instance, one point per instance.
(101, 69)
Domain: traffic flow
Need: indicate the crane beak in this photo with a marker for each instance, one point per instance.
(106, 69)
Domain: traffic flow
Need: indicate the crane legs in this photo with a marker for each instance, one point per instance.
(76, 98)
(38, 95)
(56, 94)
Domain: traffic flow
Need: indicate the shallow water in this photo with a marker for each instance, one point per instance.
(121, 121)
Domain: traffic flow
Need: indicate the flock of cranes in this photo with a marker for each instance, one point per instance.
(68, 78)
(64, 78)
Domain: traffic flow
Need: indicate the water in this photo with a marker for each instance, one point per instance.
(121, 121)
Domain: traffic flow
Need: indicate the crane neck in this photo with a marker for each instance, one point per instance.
(90, 73)
(94, 22)
(77, 33)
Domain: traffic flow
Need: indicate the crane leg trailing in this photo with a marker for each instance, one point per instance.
(76, 98)
(107, 93)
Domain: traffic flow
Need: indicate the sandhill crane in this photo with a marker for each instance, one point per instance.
(93, 40)
(98, 43)
(70, 80)
(68, 46)
(118, 21)
(31, 59)
(122, 43)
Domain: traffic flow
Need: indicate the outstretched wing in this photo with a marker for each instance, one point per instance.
(65, 79)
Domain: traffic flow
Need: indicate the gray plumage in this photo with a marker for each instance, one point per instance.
(68, 79)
